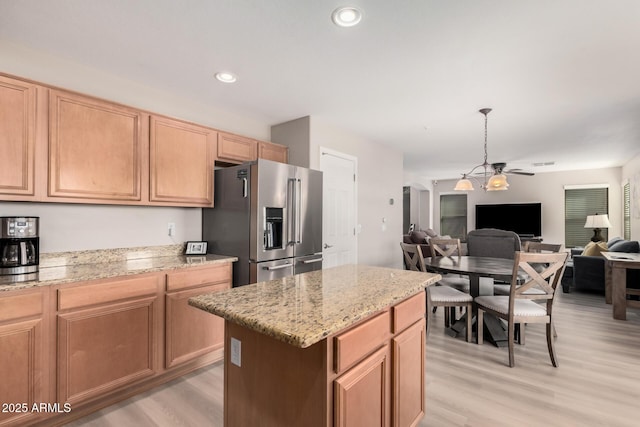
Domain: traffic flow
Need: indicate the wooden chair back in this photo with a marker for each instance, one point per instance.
(541, 270)
(539, 247)
(413, 258)
(445, 247)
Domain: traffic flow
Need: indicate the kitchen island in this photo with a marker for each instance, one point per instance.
(341, 346)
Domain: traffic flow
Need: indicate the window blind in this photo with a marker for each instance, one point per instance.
(578, 203)
(453, 215)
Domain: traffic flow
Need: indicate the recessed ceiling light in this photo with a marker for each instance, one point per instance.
(225, 77)
(346, 16)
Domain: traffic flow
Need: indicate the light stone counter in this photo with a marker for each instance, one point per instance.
(304, 309)
(69, 267)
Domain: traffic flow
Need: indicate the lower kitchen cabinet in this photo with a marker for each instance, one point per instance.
(191, 332)
(408, 353)
(107, 336)
(362, 394)
(23, 358)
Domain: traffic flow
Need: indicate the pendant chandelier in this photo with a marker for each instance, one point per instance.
(493, 179)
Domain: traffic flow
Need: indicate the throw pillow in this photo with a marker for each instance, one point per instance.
(595, 248)
(431, 233)
(625, 246)
(614, 240)
(418, 236)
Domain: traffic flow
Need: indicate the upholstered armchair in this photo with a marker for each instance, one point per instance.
(491, 242)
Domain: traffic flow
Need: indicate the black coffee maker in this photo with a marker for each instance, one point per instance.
(19, 248)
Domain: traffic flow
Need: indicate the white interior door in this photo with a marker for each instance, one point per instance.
(339, 210)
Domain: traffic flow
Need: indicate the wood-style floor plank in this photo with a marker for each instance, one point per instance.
(596, 384)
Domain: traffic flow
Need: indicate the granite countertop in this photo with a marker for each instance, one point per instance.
(69, 267)
(304, 309)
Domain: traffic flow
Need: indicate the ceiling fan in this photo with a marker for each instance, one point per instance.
(499, 168)
(494, 173)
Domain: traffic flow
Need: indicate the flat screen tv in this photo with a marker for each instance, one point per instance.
(522, 218)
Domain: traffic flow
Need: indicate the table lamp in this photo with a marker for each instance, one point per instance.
(597, 222)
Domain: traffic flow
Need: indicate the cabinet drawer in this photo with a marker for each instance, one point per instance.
(358, 342)
(189, 278)
(22, 305)
(107, 292)
(408, 312)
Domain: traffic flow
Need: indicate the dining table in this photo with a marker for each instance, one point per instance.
(477, 268)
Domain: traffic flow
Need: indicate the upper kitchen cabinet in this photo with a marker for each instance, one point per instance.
(97, 151)
(271, 151)
(236, 149)
(182, 158)
(22, 123)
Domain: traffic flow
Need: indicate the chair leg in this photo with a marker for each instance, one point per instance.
(520, 327)
(555, 334)
(552, 350)
(480, 325)
(469, 319)
(511, 332)
(447, 320)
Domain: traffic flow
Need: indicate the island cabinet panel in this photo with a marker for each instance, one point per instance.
(271, 151)
(191, 332)
(362, 394)
(408, 355)
(98, 151)
(23, 379)
(22, 120)
(110, 342)
(181, 162)
(361, 340)
(236, 149)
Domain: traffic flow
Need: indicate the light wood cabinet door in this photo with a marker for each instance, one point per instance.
(191, 332)
(18, 120)
(22, 355)
(181, 162)
(362, 394)
(108, 335)
(236, 149)
(408, 354)
(271, 151)
(98, 150)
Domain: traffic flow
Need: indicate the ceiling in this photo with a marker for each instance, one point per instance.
(562, 76)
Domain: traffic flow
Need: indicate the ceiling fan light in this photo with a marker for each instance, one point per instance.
(464, 184)
(497, 182)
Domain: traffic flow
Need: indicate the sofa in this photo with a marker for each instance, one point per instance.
(589, 266)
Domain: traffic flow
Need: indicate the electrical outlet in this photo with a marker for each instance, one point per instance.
(236, 352)
(172, 229)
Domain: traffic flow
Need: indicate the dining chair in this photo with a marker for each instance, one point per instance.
(448, 248)
(519, 307)
(539, 247)
(439, 295)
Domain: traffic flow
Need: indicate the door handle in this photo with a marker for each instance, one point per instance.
(311, 261)
(327, 246)
(277, 267)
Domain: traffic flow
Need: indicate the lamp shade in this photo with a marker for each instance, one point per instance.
(497, 182)
(463, 185)
(597, 221)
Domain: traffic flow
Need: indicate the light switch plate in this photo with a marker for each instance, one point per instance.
(236, 352)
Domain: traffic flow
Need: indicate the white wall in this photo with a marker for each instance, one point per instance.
(631, 174)
(379, 181)
(70, 227)
(546, 188)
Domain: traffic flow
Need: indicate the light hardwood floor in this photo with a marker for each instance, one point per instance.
(596, 384)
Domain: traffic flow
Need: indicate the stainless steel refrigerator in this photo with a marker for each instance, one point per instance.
(269, 215)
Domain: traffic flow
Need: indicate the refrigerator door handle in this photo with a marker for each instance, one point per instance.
(298, 211)
(277, 267)
(292, 215)
(245, 187)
